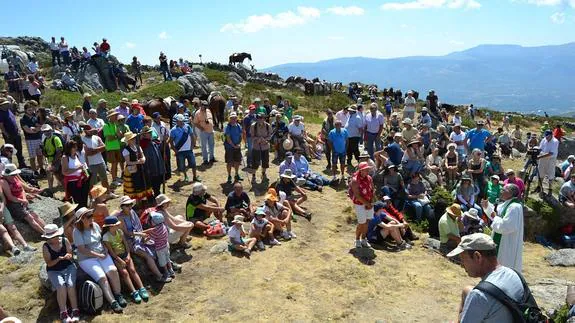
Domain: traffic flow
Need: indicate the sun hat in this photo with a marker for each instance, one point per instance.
(297, 118)
(198, 188)
(363, 166)
(102, 101)
(413, 142)
(287, 144)
(473, 242)
(146, 129)
(125, 101)
(454, 209)
(472, 214)
(68, 114)
(287, 174)
(272, 196)
(110, 221)
(67, 208)
(233, 115)
(260, 211)
(480, 122)
(407, 121)
(112, 113)
(80, 213)
(571, 157)
(495, 177)
(14, 150)
(451, 145)
(128, 136)
(424, 109)
(238, 219)
(125, 200)
(51, 230)
(92, 111)
(352, 109)
(97, 191)
(386, 198)
(257, 100)
(162, 199)
(509, 172)
(10, 170)
(87, 95)
(157, 218)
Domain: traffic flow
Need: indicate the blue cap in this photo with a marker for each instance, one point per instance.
(157, 218)
(111, 221)
(548, 132)
(378, 206)
(180, 105)
(155, 115)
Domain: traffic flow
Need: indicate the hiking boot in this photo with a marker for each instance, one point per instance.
(75, 315)
(176, 267)
(165, 278)
(121, 300)
(229, 179)
(144, 294)
(238, 178)
(292, 234)
(247, 251)
(136, 297)
(365, 244)
(29, 248)
(197, 179)
(275, 242)
(286, 235)
(182, 245)
(412, 236)
(404, 245)
(15, 251)
(261, 245)
(357, 244)
(116, 307)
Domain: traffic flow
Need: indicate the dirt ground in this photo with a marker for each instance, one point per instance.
(316, 277)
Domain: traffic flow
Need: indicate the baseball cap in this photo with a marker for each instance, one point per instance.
(476, 241)
(155, 115)
(548, 133)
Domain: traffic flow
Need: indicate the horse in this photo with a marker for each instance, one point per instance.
(157, 105)
(217, 104)
(239, 58)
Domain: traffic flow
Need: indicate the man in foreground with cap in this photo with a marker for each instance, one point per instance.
(478, 255)
(507, 228)
(182, 140)
(112, 135)
(362, 195)
(547, 158)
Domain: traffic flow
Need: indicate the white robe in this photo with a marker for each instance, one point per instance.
(511, 229)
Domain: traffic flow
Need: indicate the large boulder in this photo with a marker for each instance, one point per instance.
(47, 209)
(235, 77)
(562, 257)
(43, 277)
(566, 148)
(550, 292)
(196, 84)
(90, 78)
(533, 224)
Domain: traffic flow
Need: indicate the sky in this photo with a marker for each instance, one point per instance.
(278, 32)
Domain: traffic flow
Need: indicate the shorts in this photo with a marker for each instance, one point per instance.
(97, 268)
(363, 214)
(97, 172)
(114, 156)
(6, 217)
(174, 236)
(181, 158)
(17, 211)
(63, 278)
(34, 147)
(163, 256)
(233, 155)
(260, 156)
(335, 156)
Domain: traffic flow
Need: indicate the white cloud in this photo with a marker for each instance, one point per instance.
(285, 19)
(335, 38)
(558, 18)
(163, 35)
(430, 4)
(129, 45)
(549, 3)
(346, 11)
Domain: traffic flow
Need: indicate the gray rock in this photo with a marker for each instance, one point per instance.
(47, 209)
(236, 78)
(562, 257)
(43, 277)
(220, 247)
(566, 148)
(227, 90)
(24, 258)
(197, 84)
(197, 68)
(550, 292)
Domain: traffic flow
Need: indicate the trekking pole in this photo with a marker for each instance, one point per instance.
(165, 167)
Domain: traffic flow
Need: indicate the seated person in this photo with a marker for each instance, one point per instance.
(178, 228)
(398, 216)
(278, 215)
(287, 185)
(466, 193)
(393, 186)
(451, 163)
(297, 132)
(567, 193)
(418, 199)
(313, 181)
(450, 227)
(288, 163)
(364, 157)
(564, 165)
(200, 206)
(494, 167)
(238, 242)
(262, 229)
(494, 189)
(471, 222)
(413, 160)
(434, 163)
(382, 225)
(238, 202)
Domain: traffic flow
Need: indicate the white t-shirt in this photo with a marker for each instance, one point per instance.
(235, 234)
(550, 146)
(69, 130)
(96, 124)
(409, 104)
(274, 212)
(94, 142)
(372, 123)
(457, 137)
(54, 46)
(296, 130)
(457, 120)
(259, 224)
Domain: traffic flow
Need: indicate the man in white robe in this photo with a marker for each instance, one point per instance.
(508, 229)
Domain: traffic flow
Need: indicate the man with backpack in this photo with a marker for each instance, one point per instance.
(261, 132)
(52, 147)
(502, 295)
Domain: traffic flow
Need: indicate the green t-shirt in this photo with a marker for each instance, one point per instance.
(109, 129)
(288, 112)
(115, 240)
(51, 145)
(493, 192)
(447, 226)
(262, 109)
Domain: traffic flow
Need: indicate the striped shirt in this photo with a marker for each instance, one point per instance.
(160, 236)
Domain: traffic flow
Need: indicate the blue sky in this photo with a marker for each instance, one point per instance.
(278, 32)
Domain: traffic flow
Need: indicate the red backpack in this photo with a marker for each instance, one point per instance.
(145, 218)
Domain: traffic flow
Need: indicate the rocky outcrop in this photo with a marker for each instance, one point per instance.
(566, 148)
(550, 292)
(533, 224)
(196, 84)
(33, 44)
(267, 82)
(235, 77)
(47, 209)
(562, 257)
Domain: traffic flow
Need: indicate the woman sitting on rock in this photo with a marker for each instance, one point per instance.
(467, 194)
(57, 253)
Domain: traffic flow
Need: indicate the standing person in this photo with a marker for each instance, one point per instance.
(112, 135)
(13, 78)
(64, 51)
(354, 127)
(102, 110)
(33, 136)
(10, 130)
(508, 229)
(409, 106)
(478, 255)
(61, 270)
(458, 138)
(94, 121)
(70, 128)
(182, 141)
(154, 165)
(75, 174)
(163, 137)
(246, 127)
(343, 115)
(34, 88)
(164, 68)
(476, 138)
(549, 146)
(204, 121)
(338, 140)
(374, 121)
(327, 126)
(362, 195)
(137, 70)
(52, 148)
(94, 147)
(124, 107)
(87, 104)
(261, 133)
(135, 121)
(136, 185)
(55, 50)
(232, 146)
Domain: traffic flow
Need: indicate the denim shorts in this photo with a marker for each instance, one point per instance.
(335, 156)
(63, 278)
(181, 158)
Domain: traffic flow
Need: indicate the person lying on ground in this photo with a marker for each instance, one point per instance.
(313, 181)
(237, 235)
(261, 229)
(201, 206)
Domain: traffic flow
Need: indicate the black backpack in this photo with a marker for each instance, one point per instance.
(90, 297)
(524, 311)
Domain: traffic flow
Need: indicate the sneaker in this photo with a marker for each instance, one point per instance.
(404, 245)
(29, 248)
(229, 179)
(175, 266)
(172, 273)
(136, 297)
(292, 234)
(365, 244)
(286, 235)
(275, 242)
(15, 251)
(116, 307)
(121, 300)
(75, 315)
(357, 243)
(164, 279)
(64, 317)
(144, 294)
(113, 195)
(247, 251)
(261, 245)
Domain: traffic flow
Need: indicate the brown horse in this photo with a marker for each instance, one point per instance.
(217, 105)
(157, 105)
(239, 58)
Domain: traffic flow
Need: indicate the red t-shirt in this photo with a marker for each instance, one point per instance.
(558, 133)
(104, 47)
(365, 186)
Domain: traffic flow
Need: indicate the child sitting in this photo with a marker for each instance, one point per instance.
(261, 228)
(119, 250)
(472, 222)
(237, 234)
(159, 233)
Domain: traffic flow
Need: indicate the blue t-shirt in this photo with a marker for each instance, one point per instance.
(177, 132)
(477, 138)
(338, 140)
(135, 123)
(235, 133)
(373, 228)
(388, 107)
(395, 153)
(9, 120)
(247, 122)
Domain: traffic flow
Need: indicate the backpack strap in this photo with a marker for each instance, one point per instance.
(505, 300)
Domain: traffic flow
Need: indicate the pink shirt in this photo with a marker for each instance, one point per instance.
(517, 182)
(160, 236)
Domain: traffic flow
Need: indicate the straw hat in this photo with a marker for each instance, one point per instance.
(51, 230)
(102, 101)
(125, 101)
(454, 209)
(87, 95)
(126, 200)
(162, 199)
(128, 136)
(67, 209)
(472, 214)
(112, 113)
(97, 191)
(81, 212)
(287, 144)
(146, 129)
(10, 170)
(68, 114)
(238, 219)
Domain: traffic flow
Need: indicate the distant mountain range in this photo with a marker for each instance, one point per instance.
(504, 77)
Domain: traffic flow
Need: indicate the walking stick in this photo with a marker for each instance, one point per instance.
(165, 168)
